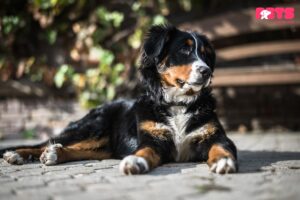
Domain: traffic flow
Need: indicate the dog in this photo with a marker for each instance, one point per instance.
(174, 120)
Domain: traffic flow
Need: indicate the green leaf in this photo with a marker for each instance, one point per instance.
(10, 23)
(64, 72)
(51, 36)
(135, 40)
(53, 2)
(136, 6)
(107, 18)
(119, 81)
(28, 134)
(111, 92)
(159, 19)
(119, 67)
(59, 80)
(43, 4)
(91, 72)
(117, 18)
(107, 58)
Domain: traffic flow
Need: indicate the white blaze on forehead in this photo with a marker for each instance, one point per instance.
(196, 45)
(199, 60)
(198, 63)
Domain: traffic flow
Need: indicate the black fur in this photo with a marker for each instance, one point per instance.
(120, 119)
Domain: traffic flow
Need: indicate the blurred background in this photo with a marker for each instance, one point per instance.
(59, 58)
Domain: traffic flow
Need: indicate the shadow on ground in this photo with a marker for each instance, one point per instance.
(249, 162)
(254, 161)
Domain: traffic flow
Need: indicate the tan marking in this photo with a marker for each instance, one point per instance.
(185, 152)
(147, 125)
(173, 73)
(217, 152)
(150, 155)
(69, 154)
(90, 144)
(151, 128)
(205, 132)
(210, 129)
(30, 153)
(202, 50)
(79, 151)
(189, 42)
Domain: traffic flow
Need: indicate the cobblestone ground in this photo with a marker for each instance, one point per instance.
(269, 169)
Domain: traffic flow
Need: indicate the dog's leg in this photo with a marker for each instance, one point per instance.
(22, 155)
(53, 153)
(56, 154)
(90, 149)
(222, 158)
(141, 162)
(215, 147)
(77, 137)
(155, 148)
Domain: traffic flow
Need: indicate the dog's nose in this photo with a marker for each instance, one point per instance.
(204, 71)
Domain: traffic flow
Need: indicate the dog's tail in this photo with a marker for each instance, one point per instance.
(12, 148)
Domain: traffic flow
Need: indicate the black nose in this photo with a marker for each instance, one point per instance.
(204, 71)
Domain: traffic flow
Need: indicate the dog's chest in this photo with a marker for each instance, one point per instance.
(178, 122)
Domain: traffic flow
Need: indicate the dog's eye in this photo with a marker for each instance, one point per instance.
(180, 82)
(185, 50)
(202, 51)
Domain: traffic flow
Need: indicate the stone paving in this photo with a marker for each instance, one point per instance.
(269, 169)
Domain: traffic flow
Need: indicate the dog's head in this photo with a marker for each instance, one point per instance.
(176, 65)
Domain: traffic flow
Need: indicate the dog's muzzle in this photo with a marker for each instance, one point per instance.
(200, 74)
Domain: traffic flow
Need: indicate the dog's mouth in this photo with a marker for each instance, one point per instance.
(199, 84)
(191, 88)
(200, 81)
(186, 92)
(195, 84)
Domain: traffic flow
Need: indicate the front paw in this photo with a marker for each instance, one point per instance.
(49, 156)
(133, 165)
(13, 158)
(224, 165)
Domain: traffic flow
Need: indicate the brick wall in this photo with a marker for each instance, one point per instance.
(241, 109)
(38, 117)
(259, 108)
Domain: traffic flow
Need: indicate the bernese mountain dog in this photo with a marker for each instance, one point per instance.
(174, 120)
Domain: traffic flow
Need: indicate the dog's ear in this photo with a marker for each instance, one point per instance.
(209, 51)
(152, 52)
(156, 39)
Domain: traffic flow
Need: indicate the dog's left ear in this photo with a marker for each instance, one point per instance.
(156, 39)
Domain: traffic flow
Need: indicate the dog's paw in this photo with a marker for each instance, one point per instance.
(133, 165)
(49, 156)
(13, 158)
(224, 165)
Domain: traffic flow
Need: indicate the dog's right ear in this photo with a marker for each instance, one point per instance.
(152, 53)
(156, 39)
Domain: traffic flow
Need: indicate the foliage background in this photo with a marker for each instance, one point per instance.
(88, 48)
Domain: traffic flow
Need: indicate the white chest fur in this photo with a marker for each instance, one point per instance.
(178, 122)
